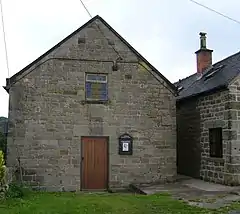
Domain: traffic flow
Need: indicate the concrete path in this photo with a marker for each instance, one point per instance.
(207, 186)
(196, 192)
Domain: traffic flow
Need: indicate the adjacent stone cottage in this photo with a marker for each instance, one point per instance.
(91, 113)
(208, 119)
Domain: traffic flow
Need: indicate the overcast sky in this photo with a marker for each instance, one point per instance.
(163, 31)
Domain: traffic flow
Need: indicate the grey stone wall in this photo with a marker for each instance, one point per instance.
(213, 114)
(48, 115)
(232, 175)
(219, 109)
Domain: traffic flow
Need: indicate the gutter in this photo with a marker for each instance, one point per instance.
(212, 90)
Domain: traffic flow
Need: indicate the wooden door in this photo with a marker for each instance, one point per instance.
(94, 163)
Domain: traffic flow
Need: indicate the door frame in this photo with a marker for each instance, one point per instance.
(81, 162)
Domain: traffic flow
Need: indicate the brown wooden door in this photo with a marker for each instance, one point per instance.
(94, 163)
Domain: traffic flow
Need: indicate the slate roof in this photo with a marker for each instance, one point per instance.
(217, 76)
(13, 78)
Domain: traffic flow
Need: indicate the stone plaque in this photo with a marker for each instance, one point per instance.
(125, 145)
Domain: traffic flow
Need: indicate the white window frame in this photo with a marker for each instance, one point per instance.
(100, 81)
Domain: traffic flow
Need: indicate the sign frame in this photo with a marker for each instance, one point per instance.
(125, 144)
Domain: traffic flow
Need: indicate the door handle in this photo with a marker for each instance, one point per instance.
(82, 158)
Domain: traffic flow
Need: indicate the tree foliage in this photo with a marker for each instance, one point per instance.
(3, 185)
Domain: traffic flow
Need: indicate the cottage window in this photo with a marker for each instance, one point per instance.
(215, 140)
(96, 87)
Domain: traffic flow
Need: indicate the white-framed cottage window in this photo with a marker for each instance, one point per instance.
(96, 87)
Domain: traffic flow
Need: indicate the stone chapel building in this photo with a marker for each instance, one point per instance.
(91, 113)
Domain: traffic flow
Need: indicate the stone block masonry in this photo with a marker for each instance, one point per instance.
(48, 114)
(196, 116)
(233, 165)
(213, 114)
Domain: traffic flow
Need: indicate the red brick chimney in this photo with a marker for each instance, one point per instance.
(204, 55)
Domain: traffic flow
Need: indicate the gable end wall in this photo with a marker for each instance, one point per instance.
(48, 115)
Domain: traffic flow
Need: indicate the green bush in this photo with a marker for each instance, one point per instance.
(3, 184)
(2, 169)
(14, 191)
(17, 190)
(3, 144)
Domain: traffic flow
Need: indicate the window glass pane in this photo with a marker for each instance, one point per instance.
(96, 91)
(215, 140)
(88, 89)
(104, 92)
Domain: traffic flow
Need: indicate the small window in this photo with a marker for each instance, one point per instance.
(96, 88)
(215, 140)
(212, 71)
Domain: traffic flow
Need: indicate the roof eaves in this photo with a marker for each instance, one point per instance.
(220, 87)
(6, 89)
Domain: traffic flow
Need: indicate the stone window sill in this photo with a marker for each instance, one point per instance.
(105, 102)
(219, 160)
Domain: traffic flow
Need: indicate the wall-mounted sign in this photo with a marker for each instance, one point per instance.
(125, 145)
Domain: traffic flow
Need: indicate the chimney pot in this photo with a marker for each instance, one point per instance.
(203, 43)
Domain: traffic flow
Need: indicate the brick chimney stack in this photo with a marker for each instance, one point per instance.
(204, 55)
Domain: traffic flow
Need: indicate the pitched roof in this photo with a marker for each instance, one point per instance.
(79, 29)
(217, 76)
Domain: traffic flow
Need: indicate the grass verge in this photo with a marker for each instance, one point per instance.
(87, 203)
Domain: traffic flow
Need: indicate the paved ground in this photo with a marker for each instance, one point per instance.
(197, 192)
